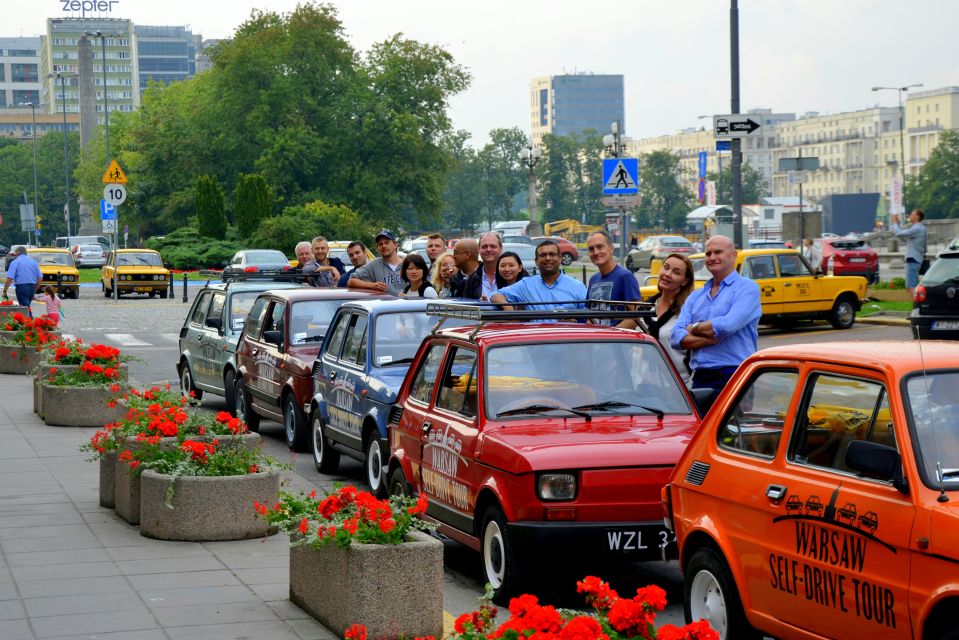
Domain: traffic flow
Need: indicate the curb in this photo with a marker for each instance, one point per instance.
(884, 320)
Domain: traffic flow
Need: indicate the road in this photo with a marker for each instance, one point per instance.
(148, 329)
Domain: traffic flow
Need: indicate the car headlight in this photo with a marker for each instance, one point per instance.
(556, 486)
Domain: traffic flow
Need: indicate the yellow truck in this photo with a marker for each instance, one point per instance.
(788, 287)
(54, 261)
(134, 271)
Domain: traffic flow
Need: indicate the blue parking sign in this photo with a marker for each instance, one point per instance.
(107, 211)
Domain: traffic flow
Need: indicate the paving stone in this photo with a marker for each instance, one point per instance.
(40, 558)
(11, 610)
(19, 533)
(93, 623)
(17, 630)
(8, 590)
(166, 565)
(72, 586)
(271, 592)
(83, 603)
(310, 629)
(83, 541)
(160, 598)
(152, 549)
(226, 613)
(286, 610)
(275, 630)
(183, 580)
(256, 560)
(148, 634)
(253, 576)
(69, 570)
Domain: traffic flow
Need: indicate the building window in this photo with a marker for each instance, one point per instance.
(23, 72)
(22, 53)
(21, 96)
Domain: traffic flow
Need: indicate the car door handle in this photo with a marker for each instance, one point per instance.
(775, 492)
(427, 427)
(788, 284)
(254, 351)
(332, 375)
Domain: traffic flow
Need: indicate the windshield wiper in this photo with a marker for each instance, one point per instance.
(945, 474)
(541, 408)
(400, 361)
(313, 339)
(615, 404)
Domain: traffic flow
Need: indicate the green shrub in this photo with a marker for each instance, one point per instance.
(186, 249)
(894, 284)
(335, 222)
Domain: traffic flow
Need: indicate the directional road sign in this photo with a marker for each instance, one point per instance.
(627, 200)
(107, 211)
(724, 145)
(620, 176)
(735, 126)
(115, 194)
(114, 174)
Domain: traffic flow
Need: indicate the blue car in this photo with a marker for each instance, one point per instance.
(367, 350)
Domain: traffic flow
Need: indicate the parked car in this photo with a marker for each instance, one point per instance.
(935, 312)
(274, 357)
(210, 334)
(3, 250)
(869, 428)
(768, 244)
(255, 261)
(567, 249)
(849, 257)
(69, 242)
(57, 269)
(338, 250)
(88, 255)
(134, 271)
(534, 440)
(656, 248)
(526, 253)
(518, 239)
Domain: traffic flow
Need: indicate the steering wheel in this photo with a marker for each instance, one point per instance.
(533, 400)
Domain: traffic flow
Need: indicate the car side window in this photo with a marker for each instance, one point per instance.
(199, 309)
(759, 268)
(791, 266)
(336, 340)
(755, 423)
(354, 340)
(254, 321)
(274, 321)
(458, 389)
(216, 306)
(425, 380)
(839, 410)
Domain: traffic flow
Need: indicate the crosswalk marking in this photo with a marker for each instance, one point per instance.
(126, 340)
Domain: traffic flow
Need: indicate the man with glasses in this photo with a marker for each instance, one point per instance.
(550, 285)
(466, 256)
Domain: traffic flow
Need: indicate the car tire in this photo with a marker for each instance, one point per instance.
(398, 484)
(229, 391)
(163, 294)
(244, 406)
(843, 314)
(325, 457)
(710, 594)
(294, 424)
(498, 562)
(629, 264)
(373, 465)
(567, 259)
(187, 383)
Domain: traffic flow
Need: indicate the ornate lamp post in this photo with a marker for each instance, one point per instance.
(530, 155)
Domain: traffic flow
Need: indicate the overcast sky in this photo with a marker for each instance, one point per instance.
(796, 55)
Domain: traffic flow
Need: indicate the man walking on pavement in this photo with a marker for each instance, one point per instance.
(613, 282)
(356, 252)
(719, 324)
(466, 256)
(549, 285)
(915, 235)
(23, 273)
(381, 275)
(812, 254)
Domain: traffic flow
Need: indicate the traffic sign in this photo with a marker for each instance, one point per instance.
(798, 177)
(115, 194)
(724, 145)
(114, 174)
(109, 226)
(620, 175)
(625, 200)
(735, 126)
(107, 211)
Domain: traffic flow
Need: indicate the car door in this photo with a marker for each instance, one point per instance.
(214, 349)
(193, 335)
(762, 269)
(349, 385)
(802, 291)
(847, 552)
(417, 412)
(267, 360)
(326, 369)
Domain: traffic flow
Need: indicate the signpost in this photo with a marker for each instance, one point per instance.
(621, 187)
(735, 126)
(797, 168)
(114, 194)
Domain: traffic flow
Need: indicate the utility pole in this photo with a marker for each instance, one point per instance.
(735, 170)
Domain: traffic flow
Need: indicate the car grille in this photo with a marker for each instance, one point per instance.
(697, 473)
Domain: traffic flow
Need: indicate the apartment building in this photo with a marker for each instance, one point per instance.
(19, 71)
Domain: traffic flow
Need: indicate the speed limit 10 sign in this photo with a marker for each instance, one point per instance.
(115, 194)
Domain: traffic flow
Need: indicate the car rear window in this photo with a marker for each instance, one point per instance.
(265, 257)
(92, 248)
(944, 269)
(849, 245)
(675, 242)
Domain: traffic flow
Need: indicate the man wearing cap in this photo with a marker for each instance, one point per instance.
(23, 274)
(381, 275)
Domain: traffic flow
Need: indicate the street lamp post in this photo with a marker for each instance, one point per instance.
(66, 164)
(614, 147)
(530, 155)
(902, 127)
(33, 118)
(106, 104)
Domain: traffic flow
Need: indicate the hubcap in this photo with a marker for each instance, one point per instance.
(186, 384)
(493, 559)
(289, 422)
(845, 312)
(374, 465)
(317, 440)
(707, 603)
(240, 403)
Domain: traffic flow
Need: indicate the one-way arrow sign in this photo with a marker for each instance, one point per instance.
(735, 126)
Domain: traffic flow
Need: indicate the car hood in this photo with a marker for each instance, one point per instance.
(573, 443)
(385, 382)
(141, 268)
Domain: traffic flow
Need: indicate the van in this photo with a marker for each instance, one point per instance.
(65, 242)
(511, 227)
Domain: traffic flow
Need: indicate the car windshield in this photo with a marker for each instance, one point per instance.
(62, 259)
(621, 377)
(934, 413)
(398, 335)
(309, 320)
(266, 257)
(675, 242)
(139, 259)
(240, 305)
(944, 269)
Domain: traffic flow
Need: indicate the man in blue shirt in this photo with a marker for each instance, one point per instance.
(613, 282)
(23, 274)
(915, 235)
(550, 285)
(719, 324)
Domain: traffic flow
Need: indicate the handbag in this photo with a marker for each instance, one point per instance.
(924, 267)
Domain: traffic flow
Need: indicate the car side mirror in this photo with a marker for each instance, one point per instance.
(215, 323)
(704, 399)
(167, 265)
(273, 337)
(876, 461)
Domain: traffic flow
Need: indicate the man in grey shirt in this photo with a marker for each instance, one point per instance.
(915, 235)
(381, 275)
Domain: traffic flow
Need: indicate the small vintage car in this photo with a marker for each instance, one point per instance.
(134, 271)
(58, 270)
(867, 428)
(539, 443)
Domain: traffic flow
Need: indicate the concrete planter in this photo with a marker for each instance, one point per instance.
(78, 406)
(126, 484)
(205, 507)
(12, 309)
(24, 362)
(888, 295)
(108, 477)
(43, 373)
(394, 590)
(248, 441)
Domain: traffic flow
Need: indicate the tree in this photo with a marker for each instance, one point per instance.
(754, 184)
(252, 203)
(210, 212)
(936, 189)
(665, 201)
(304, 222)
(464, 197)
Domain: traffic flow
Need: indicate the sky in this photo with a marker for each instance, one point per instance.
(796, 55)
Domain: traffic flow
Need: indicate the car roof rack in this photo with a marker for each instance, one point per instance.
(277, 275)
(484, 312)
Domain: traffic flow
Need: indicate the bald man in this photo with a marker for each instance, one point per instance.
(719, 324)
(466, 256)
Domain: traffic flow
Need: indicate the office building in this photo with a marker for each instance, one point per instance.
(164, 54)
(19, 71)
(567, 104)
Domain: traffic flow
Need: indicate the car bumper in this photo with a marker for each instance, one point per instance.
(930, 327)
(156, 285)
(614, 541)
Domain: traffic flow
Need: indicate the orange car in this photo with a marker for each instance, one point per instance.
(820, 496)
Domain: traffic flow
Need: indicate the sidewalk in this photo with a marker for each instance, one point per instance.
(72, 569)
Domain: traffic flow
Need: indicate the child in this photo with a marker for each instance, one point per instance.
(53, 303)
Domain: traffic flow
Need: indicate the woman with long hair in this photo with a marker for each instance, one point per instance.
(444, 270)
(414, 271)
(509, 269)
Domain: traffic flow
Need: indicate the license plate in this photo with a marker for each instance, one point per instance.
(143, 289)
(857, 259)
(638, 540)
(948, 325)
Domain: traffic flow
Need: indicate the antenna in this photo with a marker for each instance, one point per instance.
(942, 489)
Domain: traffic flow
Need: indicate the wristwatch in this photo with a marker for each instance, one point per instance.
(693, 327)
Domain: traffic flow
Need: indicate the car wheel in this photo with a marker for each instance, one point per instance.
(373, 465)
(398, 484)
(843, 314)
(244, 406)
(711, 595)
(496, 553)
(325, 458)
(567, 259)
(629, 264)
(229, 391)
(186, 382)
(163, 293)
(153, 294)
(294, 426)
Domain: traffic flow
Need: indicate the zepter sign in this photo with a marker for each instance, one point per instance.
(87, 6)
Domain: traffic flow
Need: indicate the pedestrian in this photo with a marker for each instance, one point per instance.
(466, 254)
(915, 235)
(326, 270)
(612, 281)
(550, 285)
(24, 274)
(812, 254)
(442, 273)
(509, 269)
(414, 273)
(52, 302)
(435, 245)
(381, 275)
(356, 252)
(697, 246)
(719, 323)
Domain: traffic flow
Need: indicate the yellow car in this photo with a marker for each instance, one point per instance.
(57, 261)
(789, 289)
(134, 271)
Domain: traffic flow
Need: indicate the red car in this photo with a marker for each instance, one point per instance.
(850, 257)
(567, 249)
(538, 442)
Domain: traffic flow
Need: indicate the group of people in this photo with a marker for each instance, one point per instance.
(24, 274)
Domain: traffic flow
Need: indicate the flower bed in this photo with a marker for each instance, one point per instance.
(19, 349)
(78, 390)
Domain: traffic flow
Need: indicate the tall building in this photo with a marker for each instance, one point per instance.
(567, 104)
(164, 54)
(928, 113)
(19, 71)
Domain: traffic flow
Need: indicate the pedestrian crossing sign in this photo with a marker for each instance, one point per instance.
(114, 174)
(620, 176)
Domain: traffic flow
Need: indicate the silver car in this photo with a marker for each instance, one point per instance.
(89, 255)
